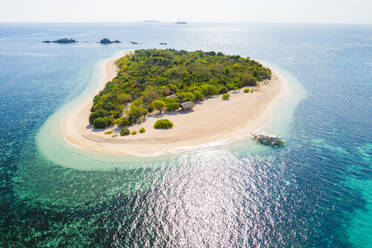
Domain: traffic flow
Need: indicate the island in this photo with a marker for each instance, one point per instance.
(108, 41)
(61, 41)
(134, 42)
(183, 22)
(161, 80)
(158, 101)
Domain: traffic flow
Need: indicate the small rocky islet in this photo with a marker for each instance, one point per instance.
(61, 41)
(103, 41)
(108, 41)
(268, 140)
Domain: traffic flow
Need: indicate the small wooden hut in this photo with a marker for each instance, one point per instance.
(187, 105)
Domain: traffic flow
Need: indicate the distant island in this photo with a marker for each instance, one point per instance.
(134, 42)
(151, 21)
(61, 41)
(166, 80)
(108, 41)
(183, 22)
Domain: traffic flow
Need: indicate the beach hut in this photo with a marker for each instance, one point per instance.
(187, 105)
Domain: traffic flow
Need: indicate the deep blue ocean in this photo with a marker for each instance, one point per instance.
(314, 192)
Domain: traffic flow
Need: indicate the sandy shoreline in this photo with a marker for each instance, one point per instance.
(210, 121)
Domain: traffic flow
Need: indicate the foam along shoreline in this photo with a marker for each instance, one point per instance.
(210, 121)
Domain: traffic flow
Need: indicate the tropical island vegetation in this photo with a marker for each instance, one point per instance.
(163, 79)
(163, 124)
(225, 96)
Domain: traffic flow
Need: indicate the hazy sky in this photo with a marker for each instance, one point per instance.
(346, 11)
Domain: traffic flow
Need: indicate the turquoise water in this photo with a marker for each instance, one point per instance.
(314, 192)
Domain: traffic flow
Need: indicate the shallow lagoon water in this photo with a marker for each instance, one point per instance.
(314, 192)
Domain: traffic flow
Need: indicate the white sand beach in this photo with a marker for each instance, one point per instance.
(212, 120)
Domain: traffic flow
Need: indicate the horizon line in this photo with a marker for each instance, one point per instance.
(188, 22)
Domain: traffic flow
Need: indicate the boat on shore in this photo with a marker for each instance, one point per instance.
(269, 140)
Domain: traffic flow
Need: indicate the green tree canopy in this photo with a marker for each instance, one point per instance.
(149, 76)
(158, 105)
(172, 104)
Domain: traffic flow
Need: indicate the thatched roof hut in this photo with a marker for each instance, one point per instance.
(187, 105)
